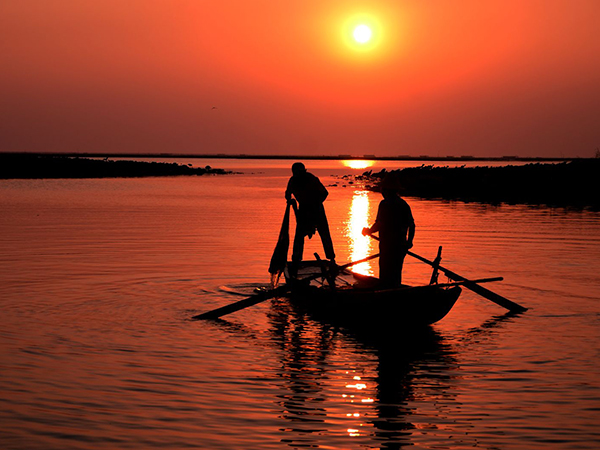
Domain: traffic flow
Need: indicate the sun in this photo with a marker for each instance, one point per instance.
(362, 34)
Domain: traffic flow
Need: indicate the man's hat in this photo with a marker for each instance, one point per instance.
(298, 168)
(391, 182)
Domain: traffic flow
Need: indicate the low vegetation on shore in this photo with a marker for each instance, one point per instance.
(568, 184)
(49, 166)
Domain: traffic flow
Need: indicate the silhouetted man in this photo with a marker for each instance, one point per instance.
(396, 228)
(311, 194)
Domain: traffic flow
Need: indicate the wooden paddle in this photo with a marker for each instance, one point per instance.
(262, 296)
(471, 285)
(440, 285)
(484, 292)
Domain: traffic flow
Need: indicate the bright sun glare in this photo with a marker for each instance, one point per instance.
(357, 163)
(362, 34)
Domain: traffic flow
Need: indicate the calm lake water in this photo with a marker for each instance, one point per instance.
(99, 278)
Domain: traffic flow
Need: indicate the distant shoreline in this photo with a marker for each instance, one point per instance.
(568, 184)
(41, 166)
(571, 183)
(295, 157)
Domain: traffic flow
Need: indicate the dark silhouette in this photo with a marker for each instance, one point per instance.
(25, 165)
(401, 364)
(568, 184)
(396, 228)
(310, 194)
(407, 366)
(279, 257)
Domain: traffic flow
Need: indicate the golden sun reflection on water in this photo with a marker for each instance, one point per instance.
(357, 163)
(356, 389)
(360, 246)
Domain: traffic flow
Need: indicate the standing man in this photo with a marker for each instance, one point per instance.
(396, 228)
(310, 194)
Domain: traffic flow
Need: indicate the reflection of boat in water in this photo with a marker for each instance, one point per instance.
(355, 299)
(366, 384)
(342, 387)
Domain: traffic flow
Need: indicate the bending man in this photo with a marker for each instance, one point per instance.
(310, 193)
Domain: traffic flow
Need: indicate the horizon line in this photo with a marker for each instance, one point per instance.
(297, 156)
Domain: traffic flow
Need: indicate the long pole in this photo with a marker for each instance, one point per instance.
(484, 292)
(261, 297)
(471, 285)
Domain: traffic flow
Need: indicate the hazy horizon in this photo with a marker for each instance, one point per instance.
(299, 156)
(485, 79)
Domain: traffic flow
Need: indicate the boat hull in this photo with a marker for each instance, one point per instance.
(410, 306)
(357, 305)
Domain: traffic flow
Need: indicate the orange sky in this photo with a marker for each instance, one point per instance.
(460, 77)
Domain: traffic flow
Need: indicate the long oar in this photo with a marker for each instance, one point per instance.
(262, 296)
(471, 285)
(484, 292)
(454, 283)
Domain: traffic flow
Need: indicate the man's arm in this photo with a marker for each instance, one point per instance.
(288, 191)
(322, 190)
(411, 228)
(376, 225)
(411, 235)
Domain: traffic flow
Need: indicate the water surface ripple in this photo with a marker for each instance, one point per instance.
(100, 277)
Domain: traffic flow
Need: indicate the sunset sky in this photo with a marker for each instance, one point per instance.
(460, 77)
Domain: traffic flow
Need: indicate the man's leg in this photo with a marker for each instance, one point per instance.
(386, 271)
(390, 267)
(297, 250)
(323, 229)
(399, 266)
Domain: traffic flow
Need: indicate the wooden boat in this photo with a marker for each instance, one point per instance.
(357, 300)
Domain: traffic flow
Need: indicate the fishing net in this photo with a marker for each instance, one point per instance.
(279, 258)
